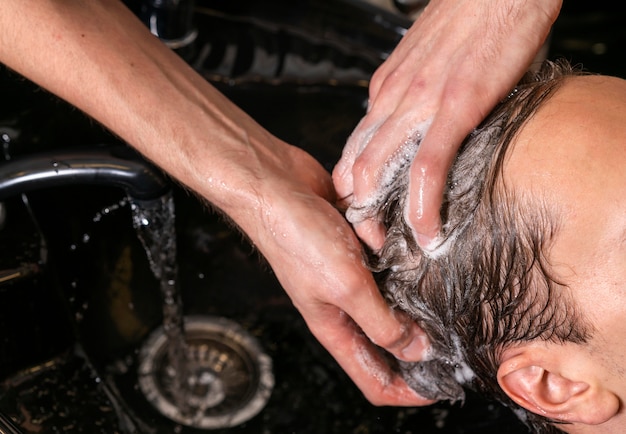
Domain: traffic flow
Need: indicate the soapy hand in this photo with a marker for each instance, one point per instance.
(453, 65)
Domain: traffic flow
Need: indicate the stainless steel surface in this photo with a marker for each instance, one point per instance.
(7, 426)
(229, 380)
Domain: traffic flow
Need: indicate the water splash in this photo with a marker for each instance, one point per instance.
(154, 223)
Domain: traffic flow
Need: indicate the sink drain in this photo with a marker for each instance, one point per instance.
(229, 377)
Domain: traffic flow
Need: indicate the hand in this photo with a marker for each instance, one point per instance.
(454, 64)
(318, 260)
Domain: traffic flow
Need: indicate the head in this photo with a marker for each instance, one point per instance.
(525, 298)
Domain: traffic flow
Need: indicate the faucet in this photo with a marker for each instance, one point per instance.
(170, 20)
(410, 7)
(117, 166)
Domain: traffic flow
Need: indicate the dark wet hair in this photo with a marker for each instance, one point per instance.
(489, 285)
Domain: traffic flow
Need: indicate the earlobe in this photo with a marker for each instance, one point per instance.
(540, 386)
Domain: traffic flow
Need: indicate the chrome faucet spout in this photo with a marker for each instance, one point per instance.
(112, 166)
(170, 20)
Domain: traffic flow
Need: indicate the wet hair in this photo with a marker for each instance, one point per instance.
(488, 285)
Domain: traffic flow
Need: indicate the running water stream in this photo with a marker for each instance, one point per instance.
(154, 223)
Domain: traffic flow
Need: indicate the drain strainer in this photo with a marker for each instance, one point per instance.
(229, 378)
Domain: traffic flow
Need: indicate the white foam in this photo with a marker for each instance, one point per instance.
(463, 374)
(439, 246)
(396, 165)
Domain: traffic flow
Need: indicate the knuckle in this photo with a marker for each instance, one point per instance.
(392, 340)
(418, 85)
(377, 79)
(345, 298)
(361, 167)
(339, 180)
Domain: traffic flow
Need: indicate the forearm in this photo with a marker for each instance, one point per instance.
(96, 55)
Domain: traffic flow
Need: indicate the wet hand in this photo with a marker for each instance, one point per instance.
(318, 260)
(454, 64)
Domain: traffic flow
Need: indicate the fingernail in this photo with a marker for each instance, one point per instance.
(418, 349)
(424, 241)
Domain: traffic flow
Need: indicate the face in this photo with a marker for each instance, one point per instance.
(572, 155)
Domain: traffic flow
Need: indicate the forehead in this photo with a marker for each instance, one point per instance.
(574, 148)
(571, 155)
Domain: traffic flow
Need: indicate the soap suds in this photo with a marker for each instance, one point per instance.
(396, 165)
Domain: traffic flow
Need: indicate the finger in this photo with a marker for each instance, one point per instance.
(337, 281)
(377, 170)
(384, 326)
(356, 293)
(390, 77)
(389, 83)
(364, 363)
(343, 172)
(367, 137)
(372, 232)
(390, 151)
(428, 179)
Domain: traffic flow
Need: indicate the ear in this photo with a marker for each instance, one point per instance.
(542, 381)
